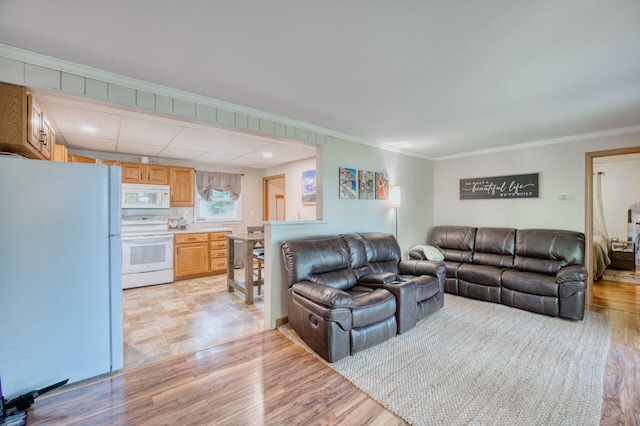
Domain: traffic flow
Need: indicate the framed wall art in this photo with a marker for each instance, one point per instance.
(504, 187)
(309, 187)
(382, 185)
(348, 183)
(366, 185)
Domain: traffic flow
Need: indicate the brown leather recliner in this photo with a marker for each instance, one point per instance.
(418, 286)
(334, 315)
(348, 293)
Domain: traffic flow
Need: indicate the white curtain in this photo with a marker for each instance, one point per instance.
(599, 225)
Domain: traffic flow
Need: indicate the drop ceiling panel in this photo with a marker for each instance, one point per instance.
(244, 162)
(180, 154)
(139, 149)
(90, 143)
(70, 120)
(146, 131)
(214, 158)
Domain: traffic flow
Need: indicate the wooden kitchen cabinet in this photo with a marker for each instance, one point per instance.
(191, 257)
(60, 153)
(145, 173)
(182, 186)
(24, 129)
(218, 246)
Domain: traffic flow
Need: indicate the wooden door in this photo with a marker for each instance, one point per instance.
(182, 186)
(132, 172)
(273, 198)
(155, 174)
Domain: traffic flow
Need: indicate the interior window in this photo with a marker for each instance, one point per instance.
(220, 208)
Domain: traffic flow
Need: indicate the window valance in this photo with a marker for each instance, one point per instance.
(207, 182)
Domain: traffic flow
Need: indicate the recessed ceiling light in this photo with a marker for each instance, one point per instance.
(88, 129)
(267, 155)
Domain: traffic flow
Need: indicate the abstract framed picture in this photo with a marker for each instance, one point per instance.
(382, 186)
(366, 185)
(309, 187)
(348, 183)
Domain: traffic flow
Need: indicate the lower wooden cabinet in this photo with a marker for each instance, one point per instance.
(199, 254)
(191, 256)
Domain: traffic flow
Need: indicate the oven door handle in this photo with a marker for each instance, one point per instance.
(147, 238)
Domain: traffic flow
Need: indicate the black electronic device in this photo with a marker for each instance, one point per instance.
(11, 412)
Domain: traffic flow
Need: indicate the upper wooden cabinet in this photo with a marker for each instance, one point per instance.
(24, 129)
(145, 173)
(182, 186)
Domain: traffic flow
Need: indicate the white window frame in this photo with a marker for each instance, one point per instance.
(196, 211)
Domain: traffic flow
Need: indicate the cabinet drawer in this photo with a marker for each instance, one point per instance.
(218, 236)
(622, 255)
(191, 238)
(218, 254)
(215, 245)
(218, 265)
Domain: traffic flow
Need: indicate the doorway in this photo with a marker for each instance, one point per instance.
(607, 292)
(273, 198)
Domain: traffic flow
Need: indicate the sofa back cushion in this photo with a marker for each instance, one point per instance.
(324, 260)
(455, 242)
(373, 252)
(546, 251)
(495, 247)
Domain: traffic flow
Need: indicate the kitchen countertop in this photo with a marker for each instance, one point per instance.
(199, 230)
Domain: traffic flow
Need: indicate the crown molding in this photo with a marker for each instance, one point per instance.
(565, 139)
(46, 61)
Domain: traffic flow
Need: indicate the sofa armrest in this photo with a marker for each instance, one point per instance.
(571, 273)
(324, 295)
(379, 278)
(423, 267)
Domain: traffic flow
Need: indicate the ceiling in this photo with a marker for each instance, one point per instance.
(434, 77)
(102, 127)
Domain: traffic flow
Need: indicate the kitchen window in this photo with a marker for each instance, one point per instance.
(221, 208)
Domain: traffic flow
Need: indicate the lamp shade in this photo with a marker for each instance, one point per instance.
(394, 196)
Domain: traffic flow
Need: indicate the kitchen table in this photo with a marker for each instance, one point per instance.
(243, 286)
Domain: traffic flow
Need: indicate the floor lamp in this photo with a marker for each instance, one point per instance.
(394, 198)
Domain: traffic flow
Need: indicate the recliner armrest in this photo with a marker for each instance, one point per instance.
(423, 267)
(571, 273)
(379, 278)
(324, 295)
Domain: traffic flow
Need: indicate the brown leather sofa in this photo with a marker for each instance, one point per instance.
(539, 270)
(350, 292)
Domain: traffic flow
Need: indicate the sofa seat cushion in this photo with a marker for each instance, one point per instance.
(531, 283)
(427, 286)
(480, 274)
(371, 305)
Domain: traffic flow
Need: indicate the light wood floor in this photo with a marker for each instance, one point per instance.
(266, 379)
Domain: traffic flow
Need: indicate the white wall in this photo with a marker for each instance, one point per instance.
(620, 190)
(562, 170)
(415, 176)
(293, 192)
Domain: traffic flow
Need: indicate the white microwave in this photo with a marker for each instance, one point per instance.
(139, 196)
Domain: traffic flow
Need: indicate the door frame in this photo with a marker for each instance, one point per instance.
(265, 194)
(588, 213)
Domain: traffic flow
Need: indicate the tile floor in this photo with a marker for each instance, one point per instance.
(171, 319)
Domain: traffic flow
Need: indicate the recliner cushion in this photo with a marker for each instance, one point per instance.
(480, 274)
(546, 251)
(371, 305)
(495, 247)
(530, 282)
(455, 242)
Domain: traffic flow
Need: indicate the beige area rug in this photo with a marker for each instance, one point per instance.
(482, 363)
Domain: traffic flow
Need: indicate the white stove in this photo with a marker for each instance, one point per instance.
(147, 251)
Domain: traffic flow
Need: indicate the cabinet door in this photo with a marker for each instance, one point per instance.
(132, 172)
(48, 138)
(158, 175)
(60, 153)
(34, 124)
(191, 259)
(182, 186)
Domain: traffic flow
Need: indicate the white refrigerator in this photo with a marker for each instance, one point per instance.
(60, 273)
